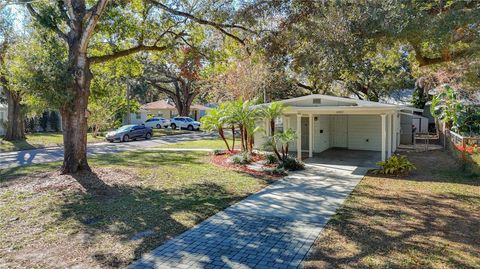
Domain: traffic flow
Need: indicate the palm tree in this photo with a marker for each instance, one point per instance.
(230, 120)
(283, 139)
(271, 112)
(213, 122)
(245, 115)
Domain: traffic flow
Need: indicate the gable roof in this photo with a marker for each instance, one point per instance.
(160, 104)
(354, 102)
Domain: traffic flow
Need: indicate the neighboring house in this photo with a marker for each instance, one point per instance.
(322, 122)
(3, 118)
(165, 109)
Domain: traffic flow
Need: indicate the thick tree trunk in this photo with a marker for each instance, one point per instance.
(15, 123)
(74, 116)
(183, 107)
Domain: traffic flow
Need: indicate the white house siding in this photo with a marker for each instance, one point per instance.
(293, 125)
(321, 140)
(259, 137)
(364, 132)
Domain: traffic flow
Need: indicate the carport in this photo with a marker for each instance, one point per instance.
(324, 122)
(345, 157)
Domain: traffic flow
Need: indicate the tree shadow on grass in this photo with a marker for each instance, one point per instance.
(147, 158)
(401, 229)
(139, 215)
(21, 144)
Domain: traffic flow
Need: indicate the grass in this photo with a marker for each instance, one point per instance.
(216, 143)
(48, 220)
(164, 132)
(427, 220)
(39, 140)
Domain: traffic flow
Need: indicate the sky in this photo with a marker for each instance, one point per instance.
(17, 13)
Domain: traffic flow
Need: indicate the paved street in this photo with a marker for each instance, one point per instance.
(25, 157)
(274, 228)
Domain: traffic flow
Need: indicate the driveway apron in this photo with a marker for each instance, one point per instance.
(273, 228)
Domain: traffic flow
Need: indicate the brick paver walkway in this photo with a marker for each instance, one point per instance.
(274, 228)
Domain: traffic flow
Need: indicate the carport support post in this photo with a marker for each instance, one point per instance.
(384, 136)
(299, 136)
(310, 136)
(395, 130)
(389, 135)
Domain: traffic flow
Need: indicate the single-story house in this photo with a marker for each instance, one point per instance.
(322, 122)
(165, 109)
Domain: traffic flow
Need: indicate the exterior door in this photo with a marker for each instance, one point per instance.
(305, 134)
(340, 133)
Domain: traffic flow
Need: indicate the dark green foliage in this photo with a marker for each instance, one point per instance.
(419, 97)
(30, 124)
(271, 158)
(218, 152)
(54, 121)
(395, 165)
(276, 171)
(44, 120)
(469, 121)
(292, 164)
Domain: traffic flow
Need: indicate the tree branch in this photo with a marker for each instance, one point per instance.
(219, 26)
(51, 25)
(123, 53)
(96, 12)
(164, 90)
(446, 57)
(304, 86)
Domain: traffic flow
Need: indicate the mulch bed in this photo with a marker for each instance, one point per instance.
(223, 160)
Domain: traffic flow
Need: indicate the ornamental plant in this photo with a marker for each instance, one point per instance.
(395, 165)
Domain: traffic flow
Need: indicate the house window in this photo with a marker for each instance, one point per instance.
(138, 116)
(317, 101)
(2, 115)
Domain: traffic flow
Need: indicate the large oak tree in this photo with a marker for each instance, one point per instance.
(15, 114)
(324, 42)
(95, 32)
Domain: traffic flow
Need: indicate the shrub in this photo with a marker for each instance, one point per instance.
(242, 158)
(271, 158)
(218, 152)
(277, 171)
(54, 121)
(44, 120)
(395, 165)
(292, 164)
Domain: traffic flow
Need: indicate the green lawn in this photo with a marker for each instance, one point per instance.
(430, 219)
(40, 140)
(214, 143)
(168, 131)
(48, 220)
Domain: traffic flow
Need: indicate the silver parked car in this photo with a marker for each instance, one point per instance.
(128, 132)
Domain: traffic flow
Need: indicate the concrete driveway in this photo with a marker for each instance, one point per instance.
(26, 157)
(273, 228)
